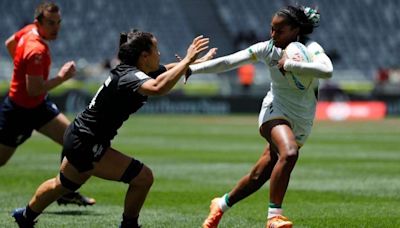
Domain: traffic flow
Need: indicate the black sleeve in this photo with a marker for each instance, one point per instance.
(160, 70)
(133, 81)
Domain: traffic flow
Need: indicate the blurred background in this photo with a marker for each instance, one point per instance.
(360, 36)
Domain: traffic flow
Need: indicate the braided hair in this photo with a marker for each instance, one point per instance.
(132, 44)
(305, 18)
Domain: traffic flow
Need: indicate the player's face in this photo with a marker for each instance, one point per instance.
(154, 57)
(282, 33)
(50, 25)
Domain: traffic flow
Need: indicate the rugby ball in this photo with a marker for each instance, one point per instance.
(298, 52)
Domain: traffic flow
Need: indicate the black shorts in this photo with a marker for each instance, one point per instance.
(17, 123)
(82, 150)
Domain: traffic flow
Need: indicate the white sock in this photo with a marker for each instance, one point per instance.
(222, 203)
(274, 212)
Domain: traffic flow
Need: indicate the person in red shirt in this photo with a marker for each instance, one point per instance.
(26, 107)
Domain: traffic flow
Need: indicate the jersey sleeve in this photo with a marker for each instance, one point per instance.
(133, 80)
(252, 54)
(35, 62)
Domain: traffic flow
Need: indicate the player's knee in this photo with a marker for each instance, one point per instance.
(290, 154)
(67, 183)
(138, 174)
(146, 177)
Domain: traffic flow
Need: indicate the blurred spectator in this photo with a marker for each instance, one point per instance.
(246, 76)
(382, 75)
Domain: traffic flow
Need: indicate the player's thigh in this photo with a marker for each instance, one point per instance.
(55, 128)
(279, 133)
(113, 165)
(5, 153)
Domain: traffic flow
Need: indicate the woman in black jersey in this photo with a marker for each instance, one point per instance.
(87, 140)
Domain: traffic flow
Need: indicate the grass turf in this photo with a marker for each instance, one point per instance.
(348, 174)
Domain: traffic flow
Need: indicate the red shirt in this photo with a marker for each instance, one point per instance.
(32, 57)
(23, 31)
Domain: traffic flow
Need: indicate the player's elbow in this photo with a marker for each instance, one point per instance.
(325, 75)
(153, 91)
(328, 73)
(160, 91)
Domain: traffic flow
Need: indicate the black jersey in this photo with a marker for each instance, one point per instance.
(115, 100)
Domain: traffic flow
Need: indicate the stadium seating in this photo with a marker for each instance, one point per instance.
(360, 35)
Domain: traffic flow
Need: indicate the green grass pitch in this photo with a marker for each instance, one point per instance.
(348, 174)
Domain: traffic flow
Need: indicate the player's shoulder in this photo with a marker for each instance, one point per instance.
(33, 42)
(26, 29)
(314, 47)
(129, 73)
(263, 45)
(261, 49)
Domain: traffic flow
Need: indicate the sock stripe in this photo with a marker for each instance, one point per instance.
(226, 198)
(274, 205)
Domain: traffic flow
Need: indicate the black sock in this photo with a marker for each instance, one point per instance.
(129, 222)
(29, 214)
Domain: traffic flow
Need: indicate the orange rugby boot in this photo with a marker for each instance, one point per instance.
(215, 215)
(279, 221)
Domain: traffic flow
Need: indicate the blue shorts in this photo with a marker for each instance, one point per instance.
(17, 123)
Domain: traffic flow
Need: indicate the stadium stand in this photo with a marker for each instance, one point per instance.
(361, 36)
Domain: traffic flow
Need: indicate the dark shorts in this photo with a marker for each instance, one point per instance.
(82, 150)
(17, 123)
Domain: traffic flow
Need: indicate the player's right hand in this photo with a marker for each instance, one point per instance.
(67, 71)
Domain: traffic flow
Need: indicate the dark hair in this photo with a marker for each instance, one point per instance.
(45, 6)
(303, 17)
(132, 44)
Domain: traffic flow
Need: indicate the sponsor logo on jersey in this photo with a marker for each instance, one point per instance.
(97, 149)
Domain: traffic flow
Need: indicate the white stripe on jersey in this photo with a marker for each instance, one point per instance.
(141, 75)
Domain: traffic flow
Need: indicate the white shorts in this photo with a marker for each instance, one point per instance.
(300, 127)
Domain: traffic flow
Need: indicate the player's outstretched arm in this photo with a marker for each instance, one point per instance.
(167, 80)
(208, 56)
(221, 64)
